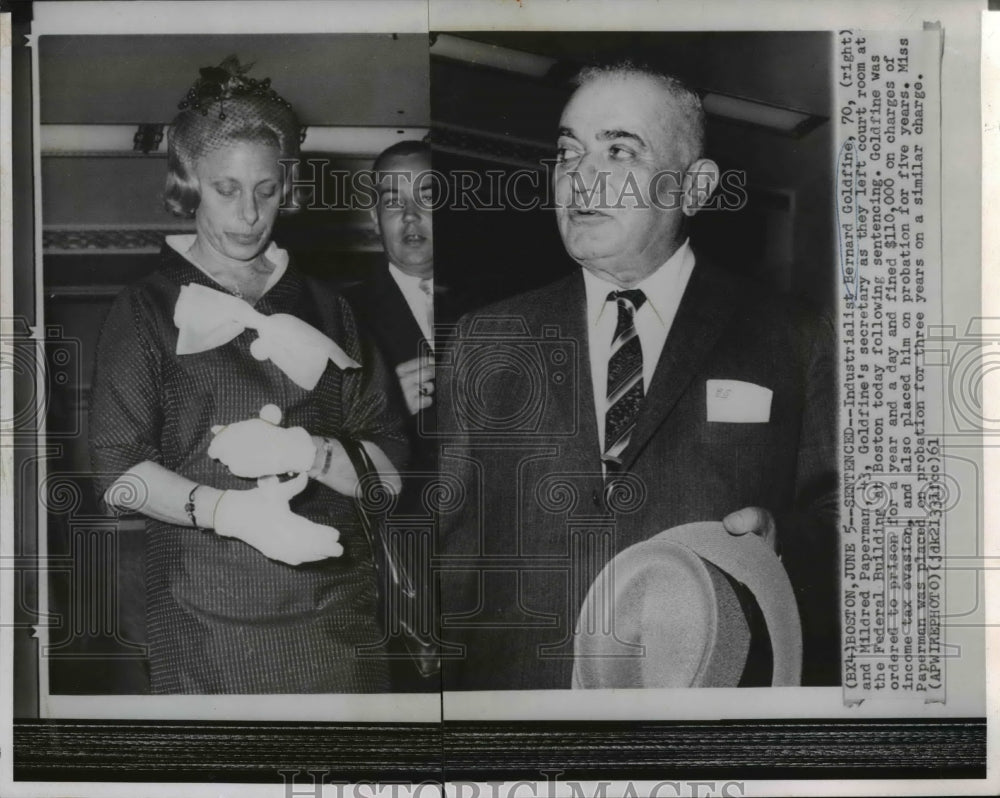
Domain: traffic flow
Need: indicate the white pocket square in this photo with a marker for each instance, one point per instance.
(738, 402)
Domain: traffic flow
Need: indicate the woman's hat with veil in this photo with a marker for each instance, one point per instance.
(223, 106)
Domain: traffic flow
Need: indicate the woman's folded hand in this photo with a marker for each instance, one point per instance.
(258, 447)
(261, 518)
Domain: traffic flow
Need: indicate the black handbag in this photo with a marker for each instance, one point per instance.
(398, 590)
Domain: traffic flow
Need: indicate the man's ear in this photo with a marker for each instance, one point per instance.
(373, 214)
(700, 181)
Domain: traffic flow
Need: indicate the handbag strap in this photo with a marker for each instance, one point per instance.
(372, 521)
(357, 455)
(423, 649)
(362, 468)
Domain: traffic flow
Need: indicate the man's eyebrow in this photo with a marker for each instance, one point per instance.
(611, 135)
(608, 135)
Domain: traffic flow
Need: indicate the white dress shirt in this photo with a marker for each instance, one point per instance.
(420, 301)
(663, 289)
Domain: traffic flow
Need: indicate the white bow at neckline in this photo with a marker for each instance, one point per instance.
(207, 319)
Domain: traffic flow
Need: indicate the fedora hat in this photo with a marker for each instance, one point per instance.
(663, 613)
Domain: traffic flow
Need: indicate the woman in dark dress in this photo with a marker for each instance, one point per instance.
(217, 378)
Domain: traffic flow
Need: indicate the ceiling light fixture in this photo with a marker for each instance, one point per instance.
(458, 48)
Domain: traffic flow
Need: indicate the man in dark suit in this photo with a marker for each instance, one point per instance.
(395, 305)
(648, 389)
(396, 302)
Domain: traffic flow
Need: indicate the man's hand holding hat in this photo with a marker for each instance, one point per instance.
(753, 521)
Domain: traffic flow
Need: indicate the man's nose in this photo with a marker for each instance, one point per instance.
(583, 177)
(586, 165)
(411, 211)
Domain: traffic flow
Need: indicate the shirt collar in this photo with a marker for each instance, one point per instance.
(657, 286)
(402, 277)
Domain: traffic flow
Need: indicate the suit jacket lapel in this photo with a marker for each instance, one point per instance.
(396, 317)
(704, 312)
(575, 328)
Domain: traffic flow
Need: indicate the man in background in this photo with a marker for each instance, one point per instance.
(395, 305)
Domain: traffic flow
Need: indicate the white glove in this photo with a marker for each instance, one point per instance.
(261, 517)
(258, 447)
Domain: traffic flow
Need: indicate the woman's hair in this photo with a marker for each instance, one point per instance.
(222, 108)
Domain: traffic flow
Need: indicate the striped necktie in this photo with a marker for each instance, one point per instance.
(625, 390)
